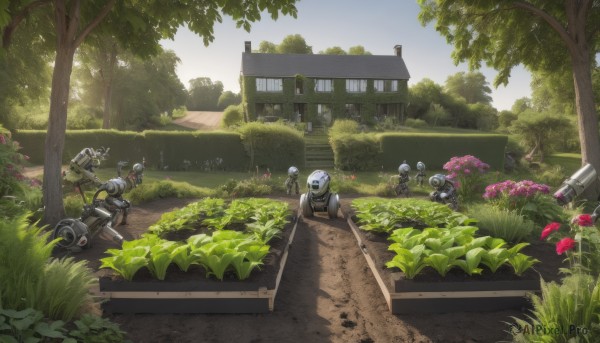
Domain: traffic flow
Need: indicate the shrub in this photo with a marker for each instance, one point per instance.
(567, 312)
(529, 198)
(468, 171)
(165, 189)
(344, 126)
(245, 188)
(11, 164)
(356, 152)
(233, 115)
(274, 145)
(501, 223)
(416, 123)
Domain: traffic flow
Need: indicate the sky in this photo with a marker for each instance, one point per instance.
(377, 25)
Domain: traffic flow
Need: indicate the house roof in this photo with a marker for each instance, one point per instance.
(324, 66)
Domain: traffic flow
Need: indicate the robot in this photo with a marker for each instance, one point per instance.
(319, 198)
(445, 192)
(420, 177)
(81, 169)
(575, 185)
(402, 187)
(98, 216)
(292, 180)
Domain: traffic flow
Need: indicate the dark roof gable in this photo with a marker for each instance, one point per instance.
(324, 66)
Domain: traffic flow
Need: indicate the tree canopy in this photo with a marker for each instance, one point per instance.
(471, 86)
(546, 36)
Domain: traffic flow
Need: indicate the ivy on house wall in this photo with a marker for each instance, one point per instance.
(337, 99)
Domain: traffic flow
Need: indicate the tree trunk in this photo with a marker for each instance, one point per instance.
(55, 136)
(108, 89)
(587, 117)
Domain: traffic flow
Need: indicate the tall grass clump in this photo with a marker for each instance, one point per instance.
(501, 223)
(165, 189)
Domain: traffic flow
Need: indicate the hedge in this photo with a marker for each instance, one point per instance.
(435, 149)
(275, 146)
(356, 152)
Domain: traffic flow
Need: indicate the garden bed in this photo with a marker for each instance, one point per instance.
(428, 292)
(193, 292)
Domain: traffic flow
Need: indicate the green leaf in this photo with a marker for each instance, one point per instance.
(439, 262)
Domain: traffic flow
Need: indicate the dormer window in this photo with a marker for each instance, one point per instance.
(269, 85)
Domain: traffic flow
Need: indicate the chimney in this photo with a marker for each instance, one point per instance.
(248, 46)
(398, 50)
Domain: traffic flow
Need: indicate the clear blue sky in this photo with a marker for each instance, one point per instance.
(377, 25)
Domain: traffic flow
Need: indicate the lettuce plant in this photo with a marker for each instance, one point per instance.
(521, 262)
(243, 267)
(160, 258)
(470, 264)
(126, 262)
(409, 261)
(182, 257)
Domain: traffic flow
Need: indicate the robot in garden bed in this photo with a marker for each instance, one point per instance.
(402, 187)
(420, 177)
(100, 215)
(292, 180)
(319, 197)
(445, 192)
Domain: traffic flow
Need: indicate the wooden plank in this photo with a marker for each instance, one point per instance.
(468, 294)
(282, 263)
(263, 293)
(371, 263)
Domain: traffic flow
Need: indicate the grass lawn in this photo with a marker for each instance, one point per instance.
(569, 161)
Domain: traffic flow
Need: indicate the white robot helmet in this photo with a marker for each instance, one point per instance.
(138, 168)
(318, 182)
(293, 171)
(437, 180)
(404, 168)
(420, 166)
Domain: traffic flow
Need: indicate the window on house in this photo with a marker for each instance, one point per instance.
(356, 86)
(324, 85)
(269, 85)
(352, 111)
(268, 110)
(299, 86)
(385, 85)
(324, 115)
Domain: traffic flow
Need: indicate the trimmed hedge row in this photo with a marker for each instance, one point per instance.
(273, 146)
(374, 151)
(435, 149)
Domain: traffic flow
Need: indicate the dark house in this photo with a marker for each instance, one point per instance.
(321, 88)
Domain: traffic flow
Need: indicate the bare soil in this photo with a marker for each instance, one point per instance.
(327, 294)
(201, 120)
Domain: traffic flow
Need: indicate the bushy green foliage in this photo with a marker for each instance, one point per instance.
(344, 126)
(272, 145)
(435, 149)
(60, 289)
(356, 152)
(563, 310)
(83, 118)
(501, 223)
(233, 115)
(165, 189)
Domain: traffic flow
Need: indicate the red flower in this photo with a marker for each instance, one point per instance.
(564, 244)
(584, 220)
(549, 228)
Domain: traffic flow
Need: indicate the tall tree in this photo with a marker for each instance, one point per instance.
(358, 50)
(204, 94)
(294, 44)
(542, 35)
(334, 50)
(472, 86)
(267, 47)
(144, 22)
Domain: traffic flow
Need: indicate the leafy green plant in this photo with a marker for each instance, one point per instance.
(409, 261)
(521, 262)
(160, 258)
(265, 232)
(95, 329)
(505, 224)
(243, 267)
(126, 261)
(182, 256)
(495, 258)
(565, 310)
(470, 264)
(28, 325)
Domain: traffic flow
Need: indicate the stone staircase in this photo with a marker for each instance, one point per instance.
(318, 153)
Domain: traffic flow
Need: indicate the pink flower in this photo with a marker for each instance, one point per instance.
(564, 245)
(583, 220)
(467, 171)
(549, 229)
(2, 139)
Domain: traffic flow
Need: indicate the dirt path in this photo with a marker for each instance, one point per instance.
(201, 120)
(327, 294)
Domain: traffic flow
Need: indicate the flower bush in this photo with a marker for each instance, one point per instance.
(467, 173)
(530, 199)
(580, 242)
